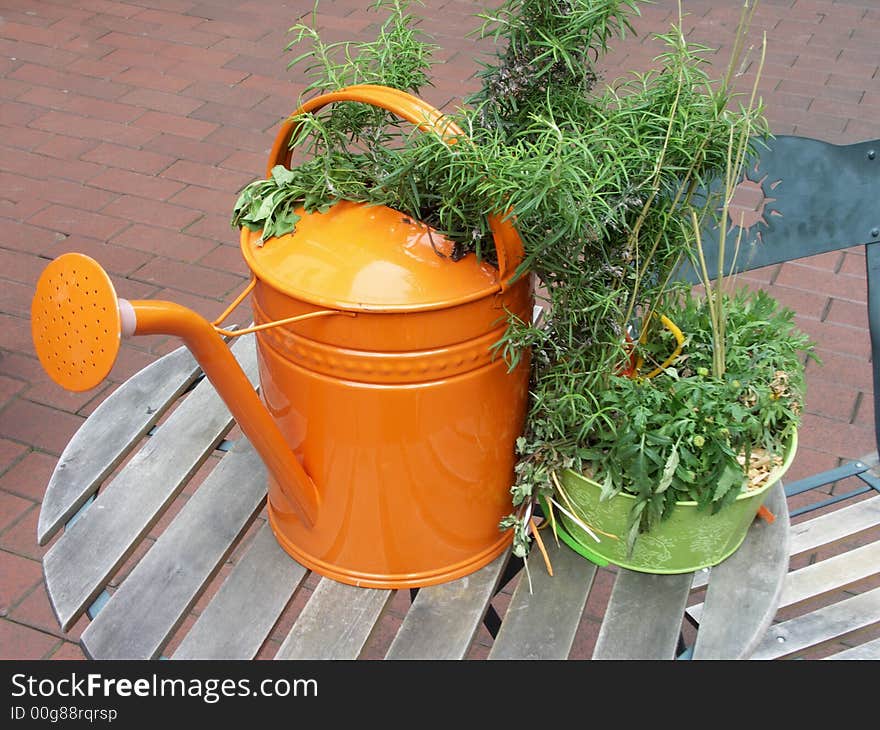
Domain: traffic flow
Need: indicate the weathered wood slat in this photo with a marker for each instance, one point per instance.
(823, 624)
(105, 438)
(745, 588)
(827, 575)
(79, 564)
(643, 617)
(701, 578)
(869, 650)
(444, 619)
(335, 623)
(836, 525)
(155, 598)
(832, 573)
(542, 623)
(239, 618)
(825, 529)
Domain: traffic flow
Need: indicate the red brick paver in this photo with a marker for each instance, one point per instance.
(126, 129)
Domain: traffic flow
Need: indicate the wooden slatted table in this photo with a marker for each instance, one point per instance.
(168, 564)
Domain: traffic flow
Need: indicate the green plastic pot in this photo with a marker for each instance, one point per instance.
(690, 539)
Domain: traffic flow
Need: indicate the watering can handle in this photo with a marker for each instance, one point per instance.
(508, 244)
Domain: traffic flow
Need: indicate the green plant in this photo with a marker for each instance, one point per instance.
(689, 434)
(607, 183)
(653, 143)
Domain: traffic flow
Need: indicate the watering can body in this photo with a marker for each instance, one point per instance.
(386, 417)
(403, 414)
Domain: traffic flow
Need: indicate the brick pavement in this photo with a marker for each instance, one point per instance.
(127, 128)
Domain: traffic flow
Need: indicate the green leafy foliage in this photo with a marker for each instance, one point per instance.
(400, 56)
(605, 247)
(684, 435)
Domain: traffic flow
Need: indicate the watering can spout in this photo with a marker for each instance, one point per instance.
(77, 323)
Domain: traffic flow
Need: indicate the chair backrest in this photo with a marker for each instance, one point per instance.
(818, 197)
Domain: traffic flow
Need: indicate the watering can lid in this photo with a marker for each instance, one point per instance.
(362, 257)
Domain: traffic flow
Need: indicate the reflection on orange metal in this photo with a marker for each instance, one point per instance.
(389, 432)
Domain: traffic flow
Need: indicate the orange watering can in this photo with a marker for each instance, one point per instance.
(385, 421)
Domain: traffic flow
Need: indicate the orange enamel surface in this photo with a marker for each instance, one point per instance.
(392, 332)
(362, 257)
(414, 472)
(75, 322)
(404, 416)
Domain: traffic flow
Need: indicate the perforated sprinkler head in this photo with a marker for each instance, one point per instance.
(75, 322)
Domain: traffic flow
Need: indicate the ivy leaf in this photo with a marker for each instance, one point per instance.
(507, 522)
(521, 539)
(282, 175)
(521, 492)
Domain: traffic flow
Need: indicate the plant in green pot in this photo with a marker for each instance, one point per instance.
(675, 467)
(661, 412)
